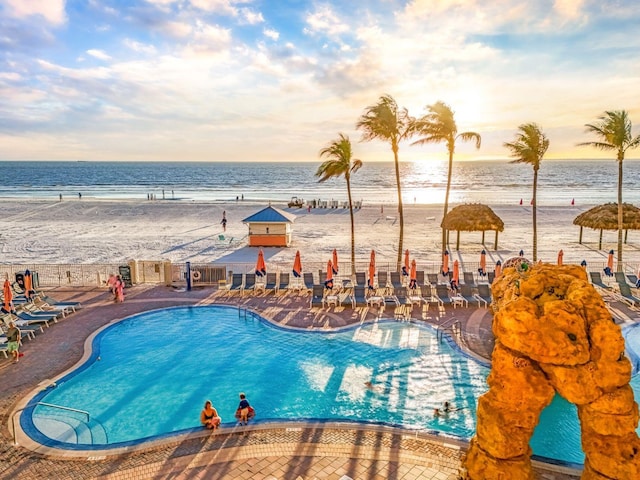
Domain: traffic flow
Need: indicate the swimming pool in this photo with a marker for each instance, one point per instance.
(149, 375)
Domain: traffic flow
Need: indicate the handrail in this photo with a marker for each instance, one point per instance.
(65, 408)
(447, 323)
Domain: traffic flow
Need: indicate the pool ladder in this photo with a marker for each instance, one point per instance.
(453, 325)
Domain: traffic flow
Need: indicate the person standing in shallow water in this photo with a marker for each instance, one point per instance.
(224, 221)
(243, 408)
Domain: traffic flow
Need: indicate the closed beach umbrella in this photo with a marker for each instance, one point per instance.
(609, 269)
(372, 269)
(329, 281)
(456, 273)
(405, 267)
(8, 296)
(498, 270)
(334, 262)
(483, 263)
(261, 268)
(560, 255)
(521, 254)
(28, 284)
(413, 283)
(445, 262)
(297, 265)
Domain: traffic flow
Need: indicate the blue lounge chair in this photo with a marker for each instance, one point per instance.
(627, 296)
(596, 279)
(236, 282)
(359, 298)
(442, 293)
(396, 281)
(484, 293)
(270, 282)
(249, 282)
(469, 279)
(383, 279)
(317, 296)
(433, 278)
(361, 279)
(634, 281)
(466, 292)
(307, 278)
(419, 278)
(283, 284)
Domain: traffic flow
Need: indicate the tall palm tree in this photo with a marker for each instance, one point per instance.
(529, 147)
(437, 126)
(614, 132)
(340, 162)
(385, 121)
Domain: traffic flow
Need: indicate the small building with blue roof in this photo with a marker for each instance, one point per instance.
(270, 227)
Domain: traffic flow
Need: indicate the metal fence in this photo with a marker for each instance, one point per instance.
(204, 274)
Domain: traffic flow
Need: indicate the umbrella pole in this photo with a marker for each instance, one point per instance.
(600, 243)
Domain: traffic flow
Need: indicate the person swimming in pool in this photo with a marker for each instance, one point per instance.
(243, 409)
(209, 416)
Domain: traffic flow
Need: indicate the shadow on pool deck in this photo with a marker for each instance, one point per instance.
(266, 451)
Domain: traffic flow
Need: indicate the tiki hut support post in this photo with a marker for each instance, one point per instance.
(580, 239)
(495, 247)
(458, 241)
(600, 242)
(483, 237)
(626, 232)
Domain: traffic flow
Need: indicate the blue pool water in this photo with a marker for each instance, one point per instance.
(150, 374)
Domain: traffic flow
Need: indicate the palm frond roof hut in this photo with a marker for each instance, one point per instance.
(605, 217)
(473, 217)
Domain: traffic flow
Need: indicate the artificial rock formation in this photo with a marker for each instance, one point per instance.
(554, 334)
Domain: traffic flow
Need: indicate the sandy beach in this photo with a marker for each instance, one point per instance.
(108, 231)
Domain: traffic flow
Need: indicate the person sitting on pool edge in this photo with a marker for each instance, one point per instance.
(209, 416)
(243, 409)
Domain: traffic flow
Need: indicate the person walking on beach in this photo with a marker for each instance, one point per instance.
(79, 196)
(224, 221)
(13, 341)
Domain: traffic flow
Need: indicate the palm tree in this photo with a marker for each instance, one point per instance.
(340, 163)
(385, 121)
(614, 132)
(529, 147)
(438, 125)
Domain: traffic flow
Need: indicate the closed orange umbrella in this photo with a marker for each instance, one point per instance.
(405, 267)
(456, 273)
(483, 263)
(560, 255)
(28, 284)
(372, 270)
(261, 268)
(609, 270)
(8, 297)
(413, 283)
(328, 283)
(498, 270)
(297, 265)
(445, 263)
(334, 263)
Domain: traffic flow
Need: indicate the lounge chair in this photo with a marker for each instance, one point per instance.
(433, 278)
(396, 280)
(383, 279)
(419, 278)
(237, 279)
(402, 295)
(627, 296)
(469, 279)
(270, 282)
(484, 293)
(359, 297)
(317, 296)
(26, 329)
(283, 284)
(34, 310)
(56, 303)
(466, 292)
(322, 276)
(308, 280)
(249, 282)
(45, 306)
(491, 277)
(361, 279)
(426, 292)
(634, 281)
(442, 293)
(596, 279)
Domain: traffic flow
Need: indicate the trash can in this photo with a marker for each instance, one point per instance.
(125, 274)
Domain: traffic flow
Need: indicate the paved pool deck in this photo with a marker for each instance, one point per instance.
(284, 451)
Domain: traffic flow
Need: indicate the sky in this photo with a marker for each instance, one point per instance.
(277, 80)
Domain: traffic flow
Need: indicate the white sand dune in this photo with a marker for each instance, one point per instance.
(101, 231)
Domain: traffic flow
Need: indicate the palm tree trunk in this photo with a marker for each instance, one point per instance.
(535, 220)
(353, 235)
(620, 158)
(400, 208)
(446, 200)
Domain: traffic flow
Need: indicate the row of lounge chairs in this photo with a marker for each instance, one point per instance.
(622, 289)
(31, 316)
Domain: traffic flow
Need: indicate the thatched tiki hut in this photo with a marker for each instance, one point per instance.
(472, 218)
(605, 217)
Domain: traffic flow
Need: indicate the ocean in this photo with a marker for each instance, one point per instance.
(588, 182)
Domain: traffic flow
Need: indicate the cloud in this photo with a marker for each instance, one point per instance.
(270, 33)
(99, 54)
(251, 17)
(139, 47)
(51, 10)
(324, 21)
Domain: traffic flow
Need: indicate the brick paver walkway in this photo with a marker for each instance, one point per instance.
(295, 452)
